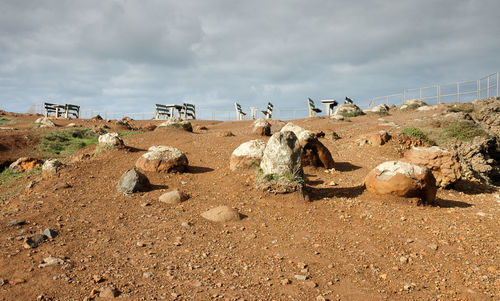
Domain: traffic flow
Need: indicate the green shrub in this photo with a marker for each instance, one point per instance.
(67, 141)
(463, 130)
(4, 120)
(352, 114)
(415, 132)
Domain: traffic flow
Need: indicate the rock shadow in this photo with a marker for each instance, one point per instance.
(442, 203)
(134, 150)
(345, 166)
(316, 194)
(198, 169)
(473, 188)
(155, 187)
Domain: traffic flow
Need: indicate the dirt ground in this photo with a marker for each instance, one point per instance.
(345, 244)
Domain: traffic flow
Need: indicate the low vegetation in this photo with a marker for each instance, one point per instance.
(352, 114)
(67, 141)
(4, 120)
(130, 133)
(465, 107)
(416, 132)
(7, 177)
(463, 130)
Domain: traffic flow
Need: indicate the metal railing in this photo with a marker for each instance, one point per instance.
(459, 91)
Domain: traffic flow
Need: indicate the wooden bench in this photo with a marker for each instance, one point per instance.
(348, 100)
(53, 108)
(188, 110)
(162, 110)
(70, 109)
(239, 112)
(312, 108)
(268, 113)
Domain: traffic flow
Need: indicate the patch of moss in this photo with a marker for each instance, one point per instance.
(463, 130)
(8, 177)
(416, 132)
(130, 133)
(67, 141)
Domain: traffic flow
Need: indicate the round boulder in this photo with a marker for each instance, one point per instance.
(25, 164)
(51, 167)
(176, 124)
(162, 159)
(261, 127)
(45, 122)
(111, 140)
(173, 197)
(247, 155)
(282, 155)
(381, 108)
(443, 164)
(402, 179)
(222, 214)
(132, 181)
(313, 152)
(348, 110)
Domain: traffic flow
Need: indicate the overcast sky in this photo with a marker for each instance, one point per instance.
(125, 56)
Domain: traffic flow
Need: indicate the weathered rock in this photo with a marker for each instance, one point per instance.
(334, 136)
(173, 197)
(261, 127)
(111, 140)
(402, 179)
(74, 125)
(337, 117)
(97, 117)
(487, 113)
(247, 155)
(51, 167)
(162, 159)
(348, 109)
(25, 164)
(50, 261)
(313, 152)
(109, 292)
(15, 223)
(176, 124)
(222, 214)
(100, 129)
(282, 155)
(480, 159)
(49, 233)
(45, 122)
(381, 108)
(225, 134)
(124, 124)
(412, 104)
(376, 139)
(443, 164)
(132, 181)
(148, 127)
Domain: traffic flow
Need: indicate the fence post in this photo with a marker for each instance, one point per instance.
(458, 91)
(439, 93)
(420, 93)
(488, 88)
(404, 96)
(478, 89)
(497, 83)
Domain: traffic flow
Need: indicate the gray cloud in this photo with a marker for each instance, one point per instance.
(127, 55)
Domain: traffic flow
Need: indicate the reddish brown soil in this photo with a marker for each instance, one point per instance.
(350, 244)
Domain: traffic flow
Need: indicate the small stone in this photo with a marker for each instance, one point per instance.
(109, 292)
(18, 281)
(49, 233)
(50, 261)
(285, 281)
(301, 277)
(320, 298)
(140, 244)
(15, 222)
(310, 284)
(222, 214)
(433, 246)
(383, 276)
(172, 197)
(403, 259)
(147, 275)
(186, 224)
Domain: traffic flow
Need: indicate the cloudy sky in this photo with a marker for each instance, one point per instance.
(127, 55)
